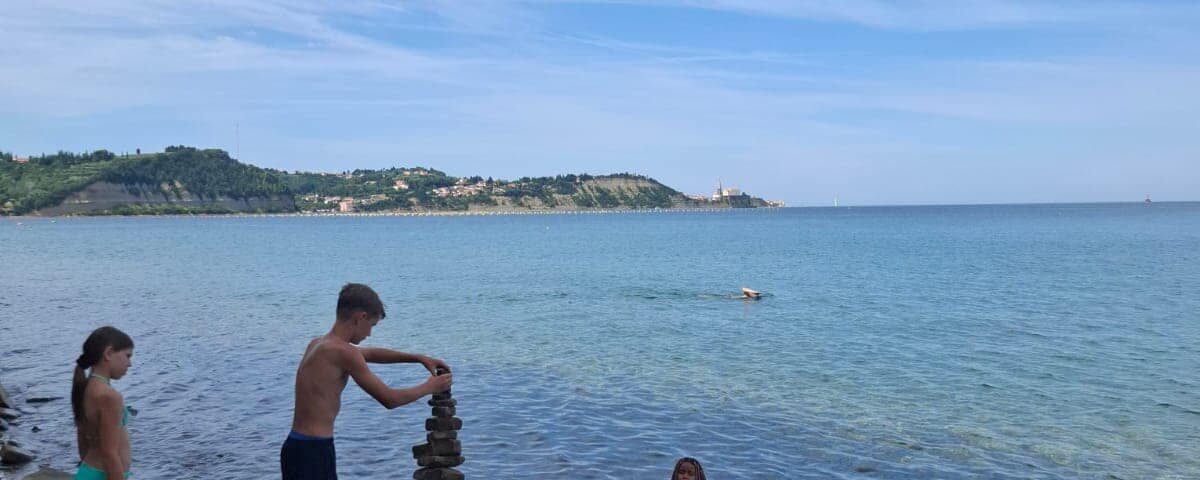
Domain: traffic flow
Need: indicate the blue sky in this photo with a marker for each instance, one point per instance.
(905, 102)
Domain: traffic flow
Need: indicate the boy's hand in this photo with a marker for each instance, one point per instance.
(432, 364)
(439, 383)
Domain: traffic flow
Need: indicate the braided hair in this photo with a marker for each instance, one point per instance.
(686, 460)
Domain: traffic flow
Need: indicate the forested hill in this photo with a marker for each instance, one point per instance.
(179, 180)
(188, 180)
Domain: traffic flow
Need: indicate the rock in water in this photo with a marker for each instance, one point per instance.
(48, 474)
(10, 455)
(4, 401)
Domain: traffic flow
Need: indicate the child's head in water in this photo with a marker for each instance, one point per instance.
(688, 468)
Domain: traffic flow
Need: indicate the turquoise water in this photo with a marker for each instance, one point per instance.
(1052, 341)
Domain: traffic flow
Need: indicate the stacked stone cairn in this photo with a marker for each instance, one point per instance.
(441, 450)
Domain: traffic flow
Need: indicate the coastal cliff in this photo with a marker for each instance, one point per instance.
(110, 198)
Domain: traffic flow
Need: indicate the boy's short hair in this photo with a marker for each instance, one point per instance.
(359, 297)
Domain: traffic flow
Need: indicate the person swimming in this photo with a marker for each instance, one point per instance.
(688, 468)
(100, 412)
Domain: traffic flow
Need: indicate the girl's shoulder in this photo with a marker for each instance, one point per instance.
(103, 394)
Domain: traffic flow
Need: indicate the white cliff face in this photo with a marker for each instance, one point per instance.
(101, 196)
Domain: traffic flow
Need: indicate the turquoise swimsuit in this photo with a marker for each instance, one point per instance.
(88, 472)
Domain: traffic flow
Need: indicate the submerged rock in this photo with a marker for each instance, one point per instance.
(49, 474)
(11, 455)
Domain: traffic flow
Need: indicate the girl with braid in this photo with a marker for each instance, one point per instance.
(688, 468)
(100, 413)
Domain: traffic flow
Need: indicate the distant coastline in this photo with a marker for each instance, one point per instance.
(188, 181)
(429, 213)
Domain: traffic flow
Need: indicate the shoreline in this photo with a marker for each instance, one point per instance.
(27, 470)
(429, 213)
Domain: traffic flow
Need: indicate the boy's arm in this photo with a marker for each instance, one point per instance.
(389, 397)
(385, 355)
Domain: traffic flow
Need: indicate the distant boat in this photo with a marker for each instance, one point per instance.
(1147, 202)
(748, 293)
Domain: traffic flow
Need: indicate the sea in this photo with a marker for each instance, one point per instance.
(944, 342)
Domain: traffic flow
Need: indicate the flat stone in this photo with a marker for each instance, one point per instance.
(8, 414)
(446, 435)
(443, 403)
(446, 447)
(444, 412)
(437, 448)
(42, 399)
(438, 424)
(430, 473)
(422, 450)
(11, 455)
(436, 461)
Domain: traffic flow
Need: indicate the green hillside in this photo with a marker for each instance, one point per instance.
(189, 180)
(47, 180)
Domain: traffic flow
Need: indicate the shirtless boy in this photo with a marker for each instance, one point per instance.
(329, 360)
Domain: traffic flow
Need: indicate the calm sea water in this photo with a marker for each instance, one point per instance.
(1055, 341)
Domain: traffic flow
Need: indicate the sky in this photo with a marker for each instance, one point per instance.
(874, 102)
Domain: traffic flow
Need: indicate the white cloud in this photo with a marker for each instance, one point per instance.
(308, 90)
(943, 15)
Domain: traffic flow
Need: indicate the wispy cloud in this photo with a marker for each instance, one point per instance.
(940, 15)
(500, 88)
